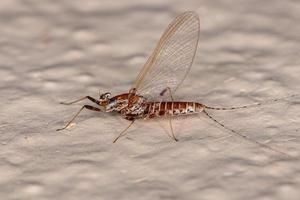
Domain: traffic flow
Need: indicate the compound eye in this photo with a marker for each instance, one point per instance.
(107, 95)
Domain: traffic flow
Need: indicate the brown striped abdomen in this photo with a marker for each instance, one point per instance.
(161, 109)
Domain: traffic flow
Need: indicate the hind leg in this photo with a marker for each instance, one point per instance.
(162, 93)
(168, 89)
(172, 131)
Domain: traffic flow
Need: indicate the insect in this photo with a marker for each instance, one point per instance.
(161, 75)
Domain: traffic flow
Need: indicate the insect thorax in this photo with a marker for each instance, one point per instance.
(116, 105)
(135, 106)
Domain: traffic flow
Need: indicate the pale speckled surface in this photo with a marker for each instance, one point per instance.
(248, 51)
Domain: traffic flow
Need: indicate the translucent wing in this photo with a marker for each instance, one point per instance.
(172, 58)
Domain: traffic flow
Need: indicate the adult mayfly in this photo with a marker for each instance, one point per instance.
(163, 73)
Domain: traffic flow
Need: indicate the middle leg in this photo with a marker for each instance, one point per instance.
(123, 132)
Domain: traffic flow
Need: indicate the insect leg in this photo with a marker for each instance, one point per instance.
(245, 137)
(85, 106)
(172, 131)
(165, 90)
(123, 132)
(86, 97)
(170, 121)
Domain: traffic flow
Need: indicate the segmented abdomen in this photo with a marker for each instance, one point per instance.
(160, 109)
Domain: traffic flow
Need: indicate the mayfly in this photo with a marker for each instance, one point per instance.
(163, 73)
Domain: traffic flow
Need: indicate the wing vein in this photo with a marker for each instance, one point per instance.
(172, 58)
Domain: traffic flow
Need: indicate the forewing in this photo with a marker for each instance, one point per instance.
(172, 58)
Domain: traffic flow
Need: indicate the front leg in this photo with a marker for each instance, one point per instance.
(83, 98)
(86, 107)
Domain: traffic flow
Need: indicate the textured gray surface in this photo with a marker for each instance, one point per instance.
(49, 52)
